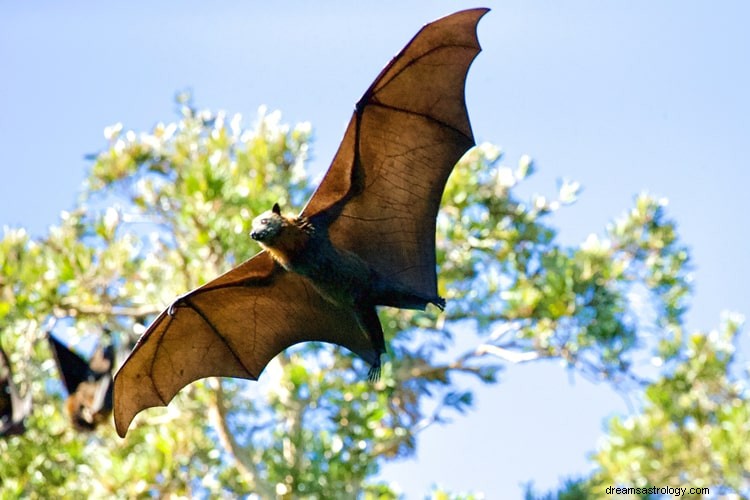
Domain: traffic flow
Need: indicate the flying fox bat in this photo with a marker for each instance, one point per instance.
(89, 384)
(366, 238)
(13, 408)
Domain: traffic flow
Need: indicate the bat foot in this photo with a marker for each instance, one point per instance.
(395, 295)
(374, 374)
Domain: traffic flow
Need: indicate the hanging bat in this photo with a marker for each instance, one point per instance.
(13, 408)
(89, 384)
(366, 238)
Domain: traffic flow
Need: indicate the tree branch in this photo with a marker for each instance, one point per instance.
(246, 467)
(507, 354)
(67, 308)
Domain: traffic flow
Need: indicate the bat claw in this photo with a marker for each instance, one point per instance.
(173, 306)
(374, 374)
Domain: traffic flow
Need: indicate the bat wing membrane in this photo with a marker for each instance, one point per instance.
(382, 192)
(74, 370)
(13, 408)
(230, 327)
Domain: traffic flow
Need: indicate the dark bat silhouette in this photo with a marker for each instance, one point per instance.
(89, 384)
(13, 408)
(365, 238)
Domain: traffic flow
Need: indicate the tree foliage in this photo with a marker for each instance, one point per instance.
(164, 211)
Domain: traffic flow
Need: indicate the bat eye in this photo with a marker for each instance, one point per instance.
(264, 221)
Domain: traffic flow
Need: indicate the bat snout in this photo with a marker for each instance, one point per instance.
(264, 236)
(259, 234)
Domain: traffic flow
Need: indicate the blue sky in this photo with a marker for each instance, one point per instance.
(622, 97)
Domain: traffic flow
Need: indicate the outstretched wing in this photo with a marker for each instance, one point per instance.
(407, 132)
(230, 327)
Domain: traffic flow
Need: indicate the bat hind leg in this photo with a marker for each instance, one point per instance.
(367, 317)
(395, 295)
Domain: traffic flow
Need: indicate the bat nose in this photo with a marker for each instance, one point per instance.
(255, 235)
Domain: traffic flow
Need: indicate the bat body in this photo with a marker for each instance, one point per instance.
(366, 238)
(89, 384)
(13, 408)
(338, 275)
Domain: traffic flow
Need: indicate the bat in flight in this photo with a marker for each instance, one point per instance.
(366, 238)
(13, 408)
(89, 384)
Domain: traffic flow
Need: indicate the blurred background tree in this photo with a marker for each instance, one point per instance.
(165, 211)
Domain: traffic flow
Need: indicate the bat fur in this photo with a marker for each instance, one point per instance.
(340, 276)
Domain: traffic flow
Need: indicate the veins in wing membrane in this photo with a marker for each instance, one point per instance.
(218, 333)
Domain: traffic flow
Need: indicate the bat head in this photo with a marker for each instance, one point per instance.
(79, 407)
(90, 405)
(268, 226)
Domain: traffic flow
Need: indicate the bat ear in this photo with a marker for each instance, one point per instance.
(276, 209)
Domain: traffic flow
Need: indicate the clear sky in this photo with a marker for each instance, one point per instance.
(621, 96)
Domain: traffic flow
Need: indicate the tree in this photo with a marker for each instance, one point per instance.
(163, 212)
